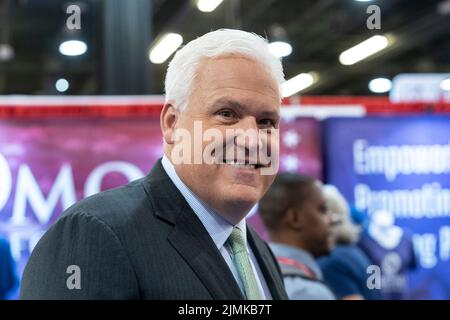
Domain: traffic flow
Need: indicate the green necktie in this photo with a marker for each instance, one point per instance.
(242, 263)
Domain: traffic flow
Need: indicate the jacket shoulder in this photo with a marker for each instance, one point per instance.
(116, 206)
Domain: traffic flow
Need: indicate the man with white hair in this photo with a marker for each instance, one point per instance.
(180, 232)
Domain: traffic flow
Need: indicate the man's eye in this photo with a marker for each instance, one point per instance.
(267, 122)
(226, 114)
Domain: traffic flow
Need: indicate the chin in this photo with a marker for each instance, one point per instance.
(243, 196)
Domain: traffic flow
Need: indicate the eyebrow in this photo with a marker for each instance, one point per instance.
(226, 102)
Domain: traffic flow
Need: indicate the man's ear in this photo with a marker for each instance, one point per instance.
(295, 219)
(168, 120)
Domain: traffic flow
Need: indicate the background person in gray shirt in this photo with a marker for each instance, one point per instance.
(299, 225)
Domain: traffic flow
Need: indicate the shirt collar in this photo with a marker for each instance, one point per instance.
(218, 228)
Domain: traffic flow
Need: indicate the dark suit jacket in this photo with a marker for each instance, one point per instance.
(140, 241)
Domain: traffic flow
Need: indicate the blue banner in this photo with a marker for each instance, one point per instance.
(399, 165)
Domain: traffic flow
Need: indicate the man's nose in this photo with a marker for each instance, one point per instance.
(247, 136)
(247, 123)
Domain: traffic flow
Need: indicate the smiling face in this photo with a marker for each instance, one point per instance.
(229, 94)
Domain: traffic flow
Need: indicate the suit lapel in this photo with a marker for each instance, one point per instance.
(267, 265)
(189, 237)
(192, 241)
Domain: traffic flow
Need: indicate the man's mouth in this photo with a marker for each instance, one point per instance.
(243, 164)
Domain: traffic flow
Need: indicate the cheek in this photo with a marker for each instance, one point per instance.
(214, 142)
(319, 227)
(325, 227)
(209, 170)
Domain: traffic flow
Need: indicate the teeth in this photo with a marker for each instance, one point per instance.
(240, 165)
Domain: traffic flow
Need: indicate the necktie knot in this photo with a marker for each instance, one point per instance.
(237, 241)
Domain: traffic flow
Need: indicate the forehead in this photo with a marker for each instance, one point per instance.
(235, 75)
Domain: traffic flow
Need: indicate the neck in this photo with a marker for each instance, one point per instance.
(283, 237)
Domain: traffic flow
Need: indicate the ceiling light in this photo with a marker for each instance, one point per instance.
(167, 45)
(62, 85)
(298, 83)
(72, 48)
(380, 85)
(363, 50)
(280, 49)
(6, 52)
(445, 84)
(208, 5)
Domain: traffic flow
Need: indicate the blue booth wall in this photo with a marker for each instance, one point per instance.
(401, 164)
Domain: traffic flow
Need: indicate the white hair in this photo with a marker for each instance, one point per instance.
(224, 42)
(345, 232)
